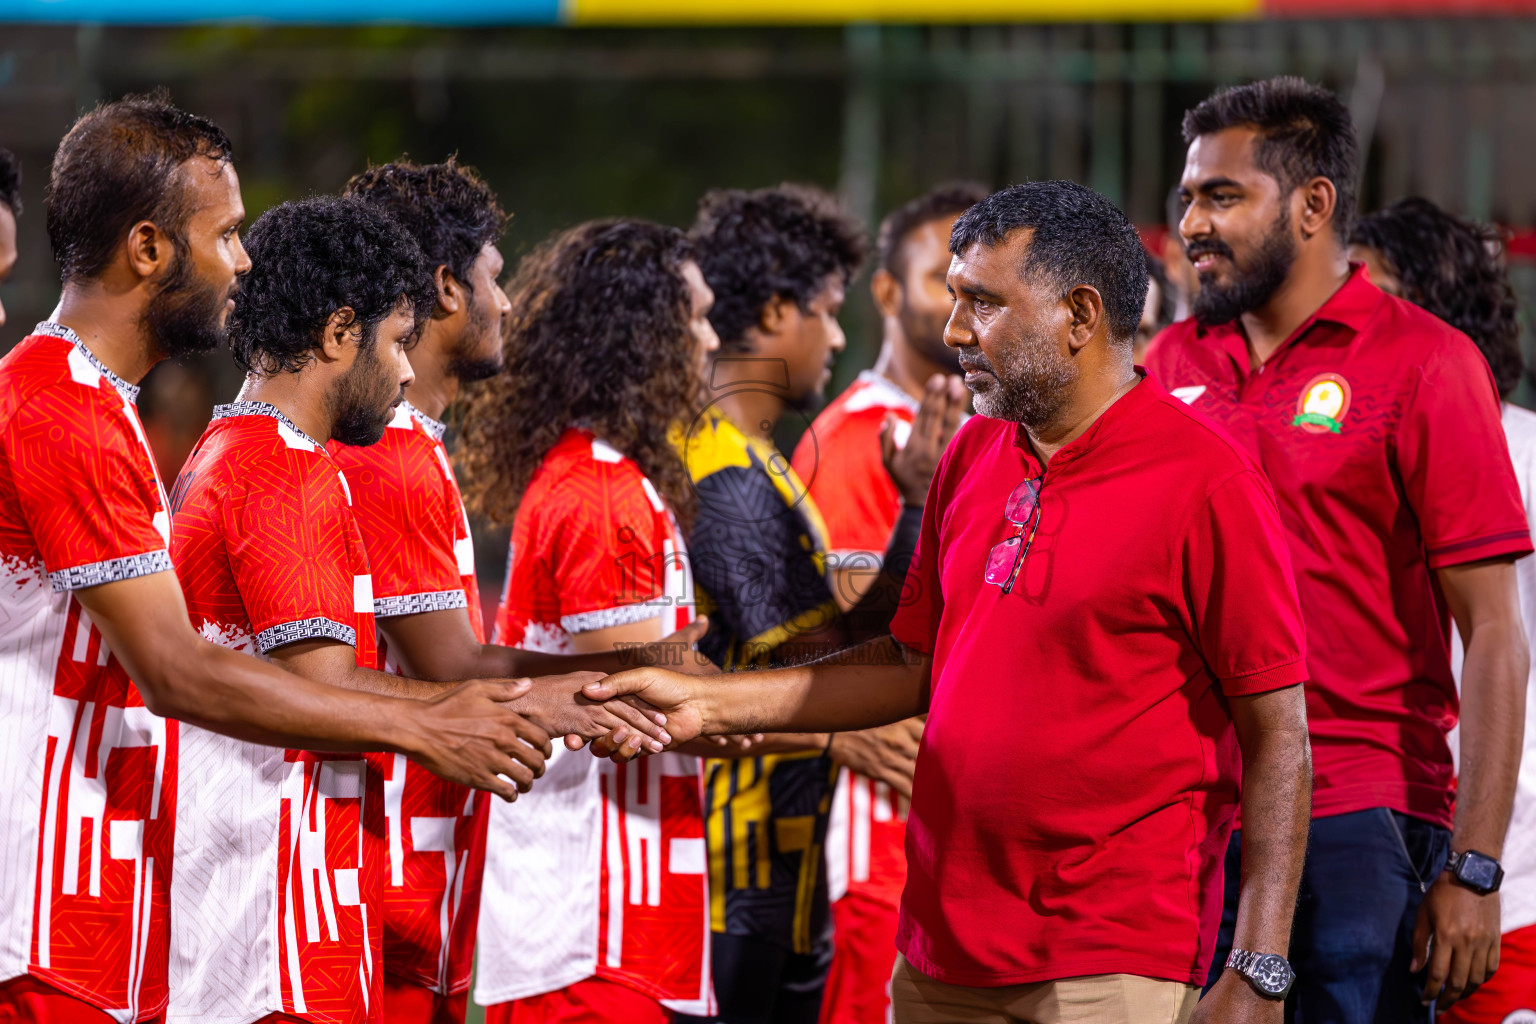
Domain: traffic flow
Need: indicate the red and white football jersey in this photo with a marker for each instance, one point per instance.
(87, 774)
(839, 458)
(276, 894)
(600, 870)
(407, 505)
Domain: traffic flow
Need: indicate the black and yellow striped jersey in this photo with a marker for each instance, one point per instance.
(758, 553)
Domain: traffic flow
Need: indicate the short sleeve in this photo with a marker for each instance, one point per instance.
(916, 623)
(605, 552)
(410, 525)
(750, 555)
(847, 480)
(1241, 604)
(290, 533)
(87, 490)
(1454, 461)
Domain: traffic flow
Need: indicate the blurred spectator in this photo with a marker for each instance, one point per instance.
(1161, 308)
(10, 209)
(1455, 269)
(175, 405)
(1180, 274)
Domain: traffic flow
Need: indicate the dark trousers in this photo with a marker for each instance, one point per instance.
(1365, 876)
(757, 982)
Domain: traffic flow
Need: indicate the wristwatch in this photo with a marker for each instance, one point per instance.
(1478, 872)
(1270, 975)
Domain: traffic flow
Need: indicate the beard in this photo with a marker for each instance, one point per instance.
(469, 362)
(1253, 284)
(186, 316)
(363, 401)
(925, 333)
(1030, 386)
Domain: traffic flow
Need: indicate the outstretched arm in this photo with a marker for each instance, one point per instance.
(1277, 808)
(873, 684)
(466, 733)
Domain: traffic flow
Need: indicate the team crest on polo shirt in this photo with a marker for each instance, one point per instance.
(1323, 402)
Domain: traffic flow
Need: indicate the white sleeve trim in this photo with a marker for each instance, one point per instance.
(304, 629)
(623, 615)
(414, 604)
(110, 571)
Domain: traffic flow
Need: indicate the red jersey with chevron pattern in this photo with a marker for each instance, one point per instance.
(601, 869)
(276, 898)
(422, 558)
(87, 774)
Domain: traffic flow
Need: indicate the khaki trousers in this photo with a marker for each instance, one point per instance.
(1099, 999)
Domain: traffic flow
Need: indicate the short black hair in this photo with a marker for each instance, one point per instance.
(447, 207)
(1455, 269)
(941, 202)
(118, 165)
(780, 242)
(310, 258)
(1305, 132)
(1079, 238)
(10, 181)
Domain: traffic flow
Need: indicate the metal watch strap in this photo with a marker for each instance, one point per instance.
(1241, 959)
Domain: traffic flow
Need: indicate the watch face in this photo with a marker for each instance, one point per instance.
(1478, 871)
(1271, 974)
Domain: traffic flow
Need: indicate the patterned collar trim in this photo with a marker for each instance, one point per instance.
(53, 330)
(437, 428)
(890, 389)
(262, 409)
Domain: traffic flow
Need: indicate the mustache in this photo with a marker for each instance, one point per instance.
(971, 363)
(1208, 247)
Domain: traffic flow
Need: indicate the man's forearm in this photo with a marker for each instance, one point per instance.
(1493, 684)
(875, 683)
(1276, 813)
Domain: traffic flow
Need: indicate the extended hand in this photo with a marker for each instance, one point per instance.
(558, 705)
(1465, 951)
(682, 650)
(1233, 1001)
(938, 417)
(886, 754)
(471, 736)
(670, 693)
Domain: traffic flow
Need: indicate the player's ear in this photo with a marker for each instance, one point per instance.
(774, 313)
(450, 291)
(1087, 309)
(886, 291)
(340, 334)
(150, 252)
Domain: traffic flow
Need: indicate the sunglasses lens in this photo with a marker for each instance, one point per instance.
(1021, 503)
(1000, 561)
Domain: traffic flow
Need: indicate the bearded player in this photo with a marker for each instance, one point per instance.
(426, 602)
(144, 216)
(840, 458)
(270, 556)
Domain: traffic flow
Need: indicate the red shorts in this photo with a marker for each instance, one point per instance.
(406, 1002)
(1512, 987)
(592, 1001)
(863, 953)
(25, 1000)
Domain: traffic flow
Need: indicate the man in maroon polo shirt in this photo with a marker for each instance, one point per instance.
(1378, 426)
(1101, 623)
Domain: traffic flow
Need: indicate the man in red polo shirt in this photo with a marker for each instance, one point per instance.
(1093, 688)
(1378, 426)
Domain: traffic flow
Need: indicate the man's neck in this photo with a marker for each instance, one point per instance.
(903, 365)
(295, 398)
(435, 386)
(753, 407)
(1094, 393)
(111, 326)
(1313, 280)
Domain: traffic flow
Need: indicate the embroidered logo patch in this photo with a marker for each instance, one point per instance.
(1322, 405)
